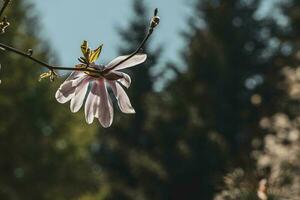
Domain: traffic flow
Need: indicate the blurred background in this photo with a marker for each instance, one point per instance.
(217, 102)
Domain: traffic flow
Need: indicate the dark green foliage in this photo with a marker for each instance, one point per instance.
(164, 151)
(125, 157)
(206, 119)
(235, 106)
(43, 153)
(277, 159)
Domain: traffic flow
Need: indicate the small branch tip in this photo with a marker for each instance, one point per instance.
(156, 12)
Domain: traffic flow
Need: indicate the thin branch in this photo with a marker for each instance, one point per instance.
(154, 23)
(28, 55)
(131, 55)
(5, 4)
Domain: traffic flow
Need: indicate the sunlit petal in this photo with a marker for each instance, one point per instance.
(79, 96)
(67, 90)
(126, 80)
(91, 104)
(74, 74)
(121, 77)
(105, 108)
(122, 98)
(135, 60)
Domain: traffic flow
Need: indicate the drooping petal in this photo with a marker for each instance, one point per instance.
(67, 90)
(121, 77)
(126, 80)
(105, 108)
(135, 60)
(122, 98)
(74, 74)
(79, 96)
(113, 75)
(91, 104)
(79, 79)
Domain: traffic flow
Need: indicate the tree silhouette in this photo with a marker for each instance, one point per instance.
(44, 154)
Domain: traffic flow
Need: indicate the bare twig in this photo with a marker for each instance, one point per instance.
(5, 4)
(153, 24)
(4, 22)
(28, 55)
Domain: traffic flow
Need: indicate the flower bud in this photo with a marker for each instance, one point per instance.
(3, 25)
(155, 21)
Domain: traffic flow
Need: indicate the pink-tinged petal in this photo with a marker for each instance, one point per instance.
(122, 98)
(79, 96)
(91, 104)
(113, 75)
(121, 77)
(75, 82)
(67, 90)
(98, 104)
(135, 60)
(74, 74)
(125, 81)
(105, 108)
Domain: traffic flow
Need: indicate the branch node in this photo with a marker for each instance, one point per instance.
(30, 52)
(50, 74)
(3, 25)
(154, 21)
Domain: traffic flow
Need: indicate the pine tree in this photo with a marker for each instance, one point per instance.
(218, 102)
(43, 148)
(210, 111)
(277, 161)
(123, 155)
(233, 67)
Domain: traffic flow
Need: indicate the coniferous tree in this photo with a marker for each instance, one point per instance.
(43, 149)
(277, 161)
(218, 102)
(214, 107)
(123, 153)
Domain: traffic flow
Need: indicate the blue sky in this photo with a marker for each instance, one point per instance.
(66, 23)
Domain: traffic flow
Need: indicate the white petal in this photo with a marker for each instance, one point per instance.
(91, 104)
(135, 60)
(121, 77)
(105, 108)
(79, 96)
(122, 98)
(126, 80)
(67, 90)
(74, 74)
(75, 82)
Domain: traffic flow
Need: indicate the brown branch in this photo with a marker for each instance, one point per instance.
(153, 24)
(5, 4)
(28, 55)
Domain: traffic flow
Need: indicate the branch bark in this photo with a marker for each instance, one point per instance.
(28, 55)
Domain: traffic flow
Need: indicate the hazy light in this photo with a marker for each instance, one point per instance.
(256, 99)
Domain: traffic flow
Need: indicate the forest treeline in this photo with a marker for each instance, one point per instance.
(227, 127)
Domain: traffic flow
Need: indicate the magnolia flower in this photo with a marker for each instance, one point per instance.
(91, 89)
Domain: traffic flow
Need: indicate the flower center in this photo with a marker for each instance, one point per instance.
(94, 71)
